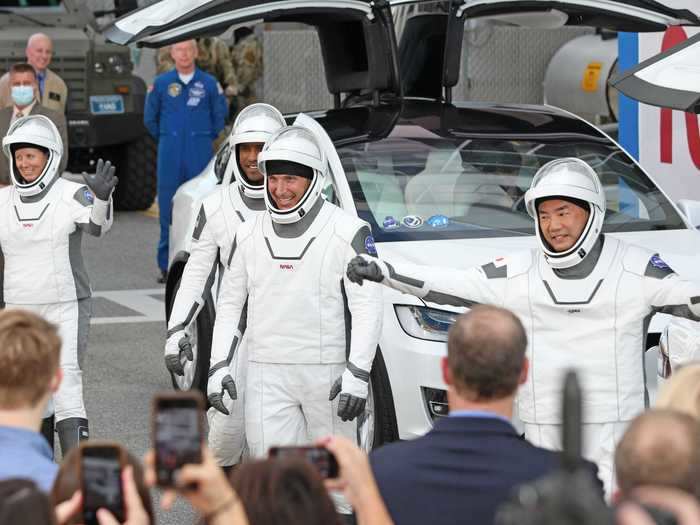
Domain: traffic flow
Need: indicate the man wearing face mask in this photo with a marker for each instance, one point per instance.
(583, 297)
(23, 90)
(238, 199)
(311, 333)
(52, 92)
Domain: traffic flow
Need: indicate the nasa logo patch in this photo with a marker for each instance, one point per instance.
(369, 245)
(658, 262)
(89, 196)
(174, 89)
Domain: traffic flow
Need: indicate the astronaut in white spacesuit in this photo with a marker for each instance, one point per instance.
(311, 333)
(237, 200)
(42, 219)
(584, 299)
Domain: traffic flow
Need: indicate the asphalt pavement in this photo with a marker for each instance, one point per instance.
(124, 366)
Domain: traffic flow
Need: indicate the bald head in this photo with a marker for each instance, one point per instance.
(660, 447)
(486, 353)
(39, 51)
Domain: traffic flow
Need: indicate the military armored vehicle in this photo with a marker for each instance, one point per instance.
(105, 103)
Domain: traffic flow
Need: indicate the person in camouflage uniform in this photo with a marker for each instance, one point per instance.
(247, 55)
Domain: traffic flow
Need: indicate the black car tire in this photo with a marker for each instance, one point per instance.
(385, 427)
(205, 330)
(136, 169)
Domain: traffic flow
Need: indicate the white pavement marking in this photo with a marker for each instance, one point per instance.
(152, 310)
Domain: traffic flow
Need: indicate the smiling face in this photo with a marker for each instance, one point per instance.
(39, 51)
(287, 190)
(30, 162)
(248, 161)
(561, 223)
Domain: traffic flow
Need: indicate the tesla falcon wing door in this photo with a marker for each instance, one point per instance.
(618, 15)
(670, 79)
(171, 21)
(357, 38)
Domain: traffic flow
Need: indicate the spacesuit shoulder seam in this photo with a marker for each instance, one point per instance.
(212, 203)
(347, 226)
(518, 263)
(635, 259)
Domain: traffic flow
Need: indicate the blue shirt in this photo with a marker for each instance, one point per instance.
(479, 413)
(26, 454)
(41, 78)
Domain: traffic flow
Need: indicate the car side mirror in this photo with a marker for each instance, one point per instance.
(691, 210)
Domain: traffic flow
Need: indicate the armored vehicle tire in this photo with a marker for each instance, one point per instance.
(196, 371)
(136, 169)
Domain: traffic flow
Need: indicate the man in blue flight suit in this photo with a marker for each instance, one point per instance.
(184, 112)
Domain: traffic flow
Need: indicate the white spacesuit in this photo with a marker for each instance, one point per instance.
(289, 265)
(585, 308)
(41, 227)
(219, 217)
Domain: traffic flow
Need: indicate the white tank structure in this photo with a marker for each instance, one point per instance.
(577, 78)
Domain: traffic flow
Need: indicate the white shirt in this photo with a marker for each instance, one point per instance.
(25, 111)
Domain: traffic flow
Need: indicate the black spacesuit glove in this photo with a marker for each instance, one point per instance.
(103, 181)
(360, 269)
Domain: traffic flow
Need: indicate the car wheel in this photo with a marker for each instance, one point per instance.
(378, 423)
(136, 169)
(200, 332)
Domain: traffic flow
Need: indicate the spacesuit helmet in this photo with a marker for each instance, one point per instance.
(255, 123)
(34, 131)
(574, 180)
(294, 145)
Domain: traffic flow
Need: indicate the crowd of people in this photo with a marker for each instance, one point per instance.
(288, 258)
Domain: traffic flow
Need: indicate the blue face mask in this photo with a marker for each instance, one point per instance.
(22, 95)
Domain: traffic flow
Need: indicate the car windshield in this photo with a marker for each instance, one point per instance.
(429, 187)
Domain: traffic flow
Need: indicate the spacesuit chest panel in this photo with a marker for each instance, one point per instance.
(286, 286)
(35, 243)
(581, 324)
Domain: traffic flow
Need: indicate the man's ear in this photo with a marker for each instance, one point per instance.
(446, 372)
(56, 380)
(525, 370)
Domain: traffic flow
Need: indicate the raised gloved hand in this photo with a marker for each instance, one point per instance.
(361, 268)
(220, 382)
(103, 181)
(353, 394)
(177, 344)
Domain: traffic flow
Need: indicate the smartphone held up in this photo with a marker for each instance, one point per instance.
(321, 458)
(101, 480)
(178, 433)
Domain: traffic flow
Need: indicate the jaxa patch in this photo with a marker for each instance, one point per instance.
(174, 89)
(89, 196)
(658, 262)
(370, 247)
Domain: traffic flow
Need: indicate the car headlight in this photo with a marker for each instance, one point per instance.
(116, 64)
(426, 323)
(99, 68)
